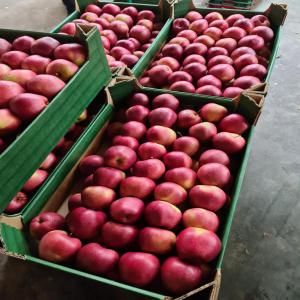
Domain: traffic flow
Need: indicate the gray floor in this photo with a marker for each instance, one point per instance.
(263, 256)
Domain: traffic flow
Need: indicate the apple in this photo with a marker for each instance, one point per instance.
(182, 176)
(139, 54)
(120, 157)
(68, 28)
(9, 122)
(9, 90)
(90, 164)
(156, 240)
(129, 60)
(13, 58)
(198, 245)
(173, 50)
(193, 58)
(186, 144)
(203, 132)
(49, 162)
(209, 80)
(44, 46)
(255, 70)
(214, 174)
(195, 48)
(199, 26)
(73, 52)
(45, 222)
(233, 18)
(241, 51)
(141, 33)
(193, 16)
(260, 20)
(214, 32)
(89, 16)
(150, 168)
(27, 106)
(235, 33)
(138, 268)
(112, 9)
(125, 18)
(128, 141)
(96, 259)
(209, 90)
(137, 113)
(120, 28)
(62, 68)
(163, 116)
(161, 135)
(231, 143)
(165, 100)
(127, 44)
(188, 34)
(93, 8)
(245, 82)
(17, 203)
(244, 60)
(85, 223)
(210, 17)
(74, 201)
(4, 69)
(115, 235)
(134, 129)
(222, 24)
(151, 150)
(57, 246)
(139, 187)
(182, 41)
(219, 59)
(177, 159)
(206, 40)
(216, 51)
(187, 118)
(35, 181)
(23, 43)
(179, 76)
(234, 123)
(179, 25)
(117, 52)
(159, 74)
(232, 92)
(19, 76)
(97, 197)
(212, 112)
(196, 70)
(229, 44)
(139, 99)
(180, 277)
(170, 192)
(200, 218)
(127, 210)
(214, 156)
(253, 41)
(5, 46)
(131, 11)
(36, 63)
(108, 17)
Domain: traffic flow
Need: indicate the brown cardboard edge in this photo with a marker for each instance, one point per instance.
(15, 222)
(281, 7)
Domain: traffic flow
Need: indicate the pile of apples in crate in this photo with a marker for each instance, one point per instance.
(212, 55)
(48, 165)
(126, 34)
(149, 210)
(32, 72)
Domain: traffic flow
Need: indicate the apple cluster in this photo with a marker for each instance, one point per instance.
(32, 72)
(150, 205)
(126, 34)
(53, 158)
(213, 55)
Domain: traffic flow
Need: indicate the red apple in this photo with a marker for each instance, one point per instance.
(120, 28)
(159, 74)
(9, 90)
(183, 42)
(187, 144)
(171, 62)
(177, 159)
(146, 14)
(188, 34)
(245, 82)
(210, 80)
(56, 246)
(9, 122)
(73, 52)
(156, 240)
(128, 141)
(222, 24)
(179, 277)
(199, 26)
(137, 113)
(45, 222)
(201, 218)
(162, 116)
(134, 129)
(4, 69)
(170, 192)
(228, 43)
(245, 60)
(68, 28)
(180, 76)
(35, 181)
(127, 210)
(203, 132)
(138, 268)
(196, 70)
(231, 143)
(85, 223)
(216, 51)
(207, 196)
(260, 20)
(241, 51)
(74, 201)
(96, 259)
(150, 168)
(107, 17)
(161, 135)
(112, 9)
(253, 41)
(49, 162)
(93, 8)
(214, 32)
(125, 18)
(90, 163)
(187, 118)
(255, 70)
(151, 150)
(193, 58)
(19, 76)
(44, 46)
(233, 18)
(162, 214)
(13, 58)
(131, 11)
(5, 46)
(115, 235)
(235, 33)
(195, 48)
(209, 90)
(214, 156)
(165, 100)
(234, 123)
(173, 50)
(89, 16)
(232, 92)
(62, 69)
(139, 187)
(36, 63)
(182, 176)
(193, 16)
(17, 203)
(179, 25)
(210, 17)
(139, 99)
(23, 43)
(108, 177)
(129, 60)
(198, 245)
(141, 33)
(206, 40)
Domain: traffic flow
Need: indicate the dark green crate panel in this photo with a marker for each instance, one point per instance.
(235, 4)
(15, 242)
(73, 154)
(163, 9)
(27, 152)
(276, 14)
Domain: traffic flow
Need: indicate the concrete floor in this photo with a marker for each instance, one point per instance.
(263, 257)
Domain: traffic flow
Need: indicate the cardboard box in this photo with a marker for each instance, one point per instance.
(17, 242)
(28, 151)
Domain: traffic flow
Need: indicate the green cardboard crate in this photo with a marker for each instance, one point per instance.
(161, 8)
(16, 242)
(275, 12)
(27, 152)
(100, 110)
